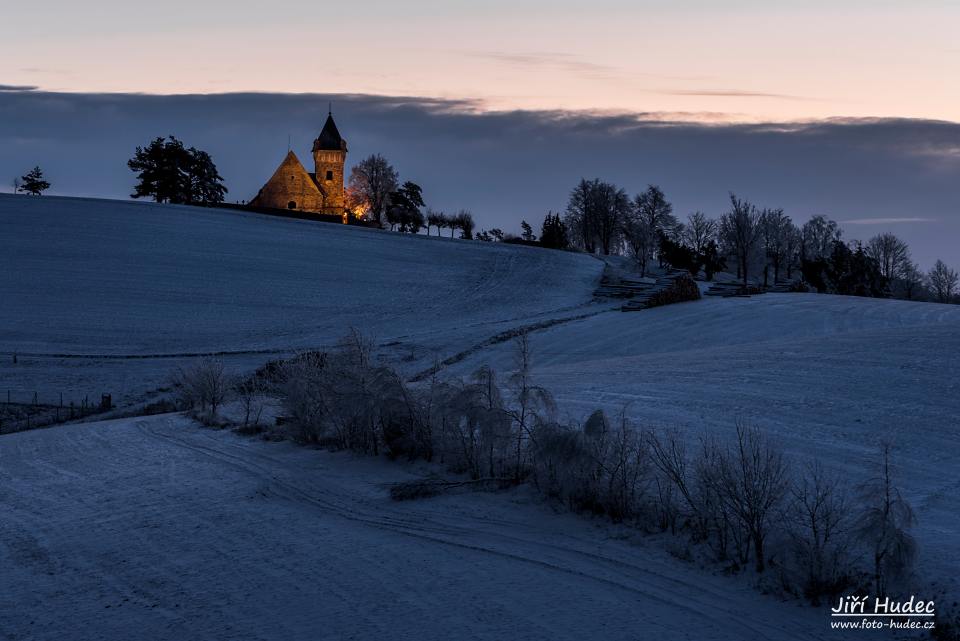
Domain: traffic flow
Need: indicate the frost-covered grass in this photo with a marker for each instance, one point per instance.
(157, 528)
(124, 279)
(136, 515)
(827, 377)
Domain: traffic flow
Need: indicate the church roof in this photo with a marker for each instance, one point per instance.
(292, 168)
(329, 137)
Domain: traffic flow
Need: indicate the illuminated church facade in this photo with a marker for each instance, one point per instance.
(293, 188)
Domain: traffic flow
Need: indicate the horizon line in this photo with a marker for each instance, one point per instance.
(481, 107)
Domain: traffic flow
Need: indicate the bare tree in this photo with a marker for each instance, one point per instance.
(610, 208)
(818, 236)
(595, 215)
(777, 234)
(251, 393)
(16, 185)
(433, 219)
(464, 222)
(818, 524)
(204, 384)
(741, 230)
(652, 207)
(641, 241)
(910, 282)
(580, 216)
(655, 214)
(699, 231)
(754, 481)
(942, 282)
(793, 244)
(883, 524)
(669, 455)
(891, 254)
(371, 181)
(532, 404)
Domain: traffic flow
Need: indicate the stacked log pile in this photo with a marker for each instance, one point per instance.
(676, 286)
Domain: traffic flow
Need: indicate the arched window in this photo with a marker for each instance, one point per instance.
(292, 204)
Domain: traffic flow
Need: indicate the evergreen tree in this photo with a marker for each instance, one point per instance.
(206, 183)
(526, 232)
(678, 255)
(33, 183)
(553, 233)
(712, 261)
(404, 208)
(170, 173)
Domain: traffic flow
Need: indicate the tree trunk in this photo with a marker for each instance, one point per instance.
(758, 552)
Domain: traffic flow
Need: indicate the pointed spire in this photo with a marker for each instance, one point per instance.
(329, 138)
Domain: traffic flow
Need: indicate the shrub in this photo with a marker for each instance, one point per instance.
(202, 385)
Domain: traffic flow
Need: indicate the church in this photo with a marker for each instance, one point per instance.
(320, 191)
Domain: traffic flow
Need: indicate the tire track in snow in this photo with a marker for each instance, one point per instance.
(681, 597)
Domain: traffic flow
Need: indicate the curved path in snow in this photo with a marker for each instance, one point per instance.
(155, 528)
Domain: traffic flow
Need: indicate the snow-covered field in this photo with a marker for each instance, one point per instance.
(110, 280)
(110, 527)
(157, 529)
(827, 376)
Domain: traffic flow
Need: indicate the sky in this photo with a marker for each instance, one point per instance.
(848, 109)
(739, 59)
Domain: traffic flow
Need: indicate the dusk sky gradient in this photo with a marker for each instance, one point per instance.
(741, 59)
(849, 109)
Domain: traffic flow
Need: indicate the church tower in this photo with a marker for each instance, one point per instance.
(329, 156)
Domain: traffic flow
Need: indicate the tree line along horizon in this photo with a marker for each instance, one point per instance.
(761, 244)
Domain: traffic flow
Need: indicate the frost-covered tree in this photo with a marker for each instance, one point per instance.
(595, 214)
(640, 241)
(464, 222)
(652, 214)
(753, 476)
(652, 207)
(891, 254)
(371, 181)
(817, 238)
(818, 523)
(777, 232)
(741, 230)
(436, 219)
(883, 525)
(699, 231)
(909, 285)
(203, 384)
(532, 404)
(942, 282)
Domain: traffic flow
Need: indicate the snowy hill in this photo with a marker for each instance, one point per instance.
(105, 295)
(827, 376)
(117, 279)
(156, 528)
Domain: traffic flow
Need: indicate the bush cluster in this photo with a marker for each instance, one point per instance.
(741, 502)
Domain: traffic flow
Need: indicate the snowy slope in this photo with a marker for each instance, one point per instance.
(113, 278)
(827, 376)
(155, 528)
